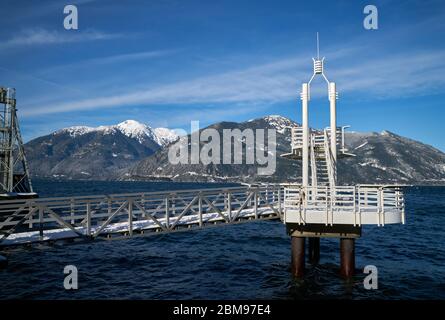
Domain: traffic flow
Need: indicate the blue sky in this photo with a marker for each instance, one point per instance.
(166, 63)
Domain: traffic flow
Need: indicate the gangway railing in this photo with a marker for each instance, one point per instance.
(352, 205)
(99, 216)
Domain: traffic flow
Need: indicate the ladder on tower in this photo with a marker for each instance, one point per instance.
(323, 171)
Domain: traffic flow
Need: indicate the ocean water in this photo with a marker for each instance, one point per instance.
(244, 261)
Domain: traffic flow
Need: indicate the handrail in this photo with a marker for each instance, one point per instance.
(91, 216)
(319, 137)
(329, 160)
(356, 200)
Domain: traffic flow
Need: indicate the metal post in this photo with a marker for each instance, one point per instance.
(297, 256)
(354, 207)
(167, 214)
(333, 113)
(143, 204)
(347, 257)
(382, 206)
(256, 204)
(305, 126)
(41, 223)
(229, 205)
(72, 210)
(11, 147)
(130, 217)
(30, 218)
(88, 219)
(314, 250)
(200, 209)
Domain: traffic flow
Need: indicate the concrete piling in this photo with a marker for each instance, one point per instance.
(347, 257)
(297, 254)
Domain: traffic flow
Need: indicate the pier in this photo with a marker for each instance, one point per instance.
(319, 207)
(315, 208)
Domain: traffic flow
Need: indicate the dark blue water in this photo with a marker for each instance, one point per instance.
(247, 261)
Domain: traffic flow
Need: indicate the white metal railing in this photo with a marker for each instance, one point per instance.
(92, 216)
(355, 205)
(314, 169)
(319, 136)
(330, 161)
(296, 137)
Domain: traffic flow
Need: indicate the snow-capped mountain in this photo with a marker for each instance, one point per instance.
(75, 131)
(280, 123)
(165, 136)
(130, 128)
(132, 150)
(380, 158)
(82, 152)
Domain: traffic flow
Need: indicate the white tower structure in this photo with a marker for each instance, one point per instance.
(320, 207)
(317, 149)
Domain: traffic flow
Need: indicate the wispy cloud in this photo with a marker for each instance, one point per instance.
(259, 83)
(40, 36)
(278, 81)
(391, 76)
(111, 59)
(130, 56)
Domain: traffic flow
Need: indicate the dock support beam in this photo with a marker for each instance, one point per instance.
(297, 256)
(314, 250)
(347, 257)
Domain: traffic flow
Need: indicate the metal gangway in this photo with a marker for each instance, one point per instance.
(25, 221)
(34, 220)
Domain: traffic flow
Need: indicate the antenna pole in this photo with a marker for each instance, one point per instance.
(318, 48)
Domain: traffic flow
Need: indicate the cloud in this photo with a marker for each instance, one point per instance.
(40, 36)
(260, 83)
(279, 81)
(131, 56)
(399, 75)
(118, 58)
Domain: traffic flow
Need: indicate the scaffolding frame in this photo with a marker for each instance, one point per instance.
(14, 170)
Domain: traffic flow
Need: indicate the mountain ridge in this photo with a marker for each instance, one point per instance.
(134, 151)
(82, 152)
